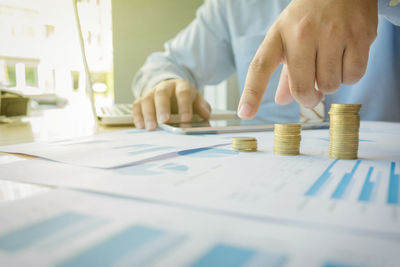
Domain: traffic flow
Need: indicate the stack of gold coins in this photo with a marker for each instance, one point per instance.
(287, 139)
(343, 131)
(244, 144)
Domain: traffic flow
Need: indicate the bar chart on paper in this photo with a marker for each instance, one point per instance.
(113, 235)
(49, 232)
(235, 256)
(136, 245)
(365, 181)
(116, 149)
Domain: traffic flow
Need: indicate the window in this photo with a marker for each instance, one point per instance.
(31, 76)
(42, 36)
(49, 29)
(12, 79)
(75, 80)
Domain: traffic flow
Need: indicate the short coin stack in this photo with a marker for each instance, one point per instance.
(343, 131)
(244, 144)
(287, 139)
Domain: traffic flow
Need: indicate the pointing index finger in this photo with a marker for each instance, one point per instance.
(267, 59)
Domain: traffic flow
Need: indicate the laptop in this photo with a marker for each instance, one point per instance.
(121, 114)
(117, 114)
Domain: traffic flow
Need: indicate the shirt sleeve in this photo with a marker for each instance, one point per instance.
(391, 10)
(201, 53)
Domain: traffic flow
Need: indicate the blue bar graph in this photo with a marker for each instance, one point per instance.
(193, 151)
(334, 264)
(117, 248)
(225, 255)
(320, 182)
(37, 232)
(393, 192)
(235, 256)
(368, 187)
(149, 150)
(345, 182)
(133, 146)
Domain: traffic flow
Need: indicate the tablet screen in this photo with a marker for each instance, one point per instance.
(228, 126)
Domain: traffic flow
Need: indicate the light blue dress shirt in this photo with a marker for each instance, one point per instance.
(225, 35)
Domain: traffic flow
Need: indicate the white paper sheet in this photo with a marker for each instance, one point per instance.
(310, 190)
(113, 149)
(65, 228)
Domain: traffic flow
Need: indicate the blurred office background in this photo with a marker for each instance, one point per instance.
(40, 52)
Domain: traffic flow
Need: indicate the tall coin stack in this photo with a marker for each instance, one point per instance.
(343, 131)
(287, 139)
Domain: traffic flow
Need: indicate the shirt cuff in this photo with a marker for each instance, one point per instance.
(391, 10)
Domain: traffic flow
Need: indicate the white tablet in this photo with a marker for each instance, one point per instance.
(228, 126)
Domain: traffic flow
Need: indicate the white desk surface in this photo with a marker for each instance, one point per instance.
(45, 125)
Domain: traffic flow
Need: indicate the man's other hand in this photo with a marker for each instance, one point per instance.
(169, 96)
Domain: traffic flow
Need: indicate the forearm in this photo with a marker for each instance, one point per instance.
(200, 54)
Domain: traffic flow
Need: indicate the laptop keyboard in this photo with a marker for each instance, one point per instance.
(117, 110)
(126, 109)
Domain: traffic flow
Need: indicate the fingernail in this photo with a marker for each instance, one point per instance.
(245, 111)
(150, 125)
(139, 125)
(205, 107)
(277, 99)
(185, 117)
(162, 117)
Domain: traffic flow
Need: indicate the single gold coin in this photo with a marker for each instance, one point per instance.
(240, 139)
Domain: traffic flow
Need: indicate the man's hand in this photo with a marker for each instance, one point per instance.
(320, 41)
(176, 96)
